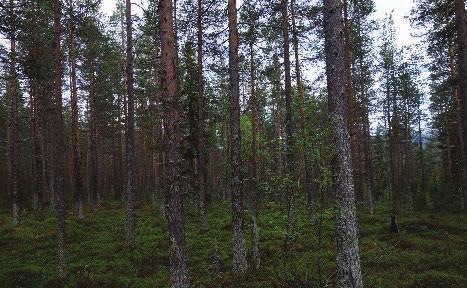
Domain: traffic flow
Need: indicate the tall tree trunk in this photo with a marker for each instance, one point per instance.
(200, 170)
(304, 171)
(38, 169)
(348, 255)
(239, 250)
(13, 123)
(422, 163)
(408, 157)
(278, 116)
(171, 144)
(458, 108)
(350, 101)
(288, 124)
(59, 140)
(254, 161)
(367, 147)
(75, 146)
(130, 186)
(122, 109)
(95, 179)
(368, 153)
(156, 131)
(462, 46)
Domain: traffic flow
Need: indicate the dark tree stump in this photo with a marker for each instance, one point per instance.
(393, 224)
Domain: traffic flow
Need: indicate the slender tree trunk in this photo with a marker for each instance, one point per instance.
(348, 255)
(350, 102)
(459, 124)
(304, 169)
(201, 163)
(462, 47)
(130, 186)
(122, 107)
(422, 163)
(13, 123)
(75, 146)
(59, 140)
(254, 161)
(288, 124)
(156, 131)
(239, 250)
(278, 116)
(408, 157)
(368, 153)
(367, 147)
(178, 271)
(38, 179)
(95, 179)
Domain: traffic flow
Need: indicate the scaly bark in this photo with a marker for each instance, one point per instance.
(458, 108)
(254, 161)
(350, 101)
(239, 250)
(13, 123)
(278, 129)
(462, 54)
(38, 183)
(171, 144)
(75, 147)
(305, 171)
(200, 169)
(288, 124)
(59, 164)
(94, 138)
(130, 185)
(348, 255)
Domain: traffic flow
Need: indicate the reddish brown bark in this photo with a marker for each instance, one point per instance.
(278, 116)
(200, 168)
(59, 164)
(239, 250)
(350, 102)
(130, 144)
(75, 142)
(462, 64)
(254, 160)
(13, 119)
(288, 123)
(304, 169)
(171, 146)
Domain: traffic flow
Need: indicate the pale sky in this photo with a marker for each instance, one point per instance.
(401, 9)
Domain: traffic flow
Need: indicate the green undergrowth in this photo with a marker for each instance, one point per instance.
(430, 251)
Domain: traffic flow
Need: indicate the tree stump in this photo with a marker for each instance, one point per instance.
(393, 224)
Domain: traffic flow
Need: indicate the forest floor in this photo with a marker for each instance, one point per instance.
(430, 251)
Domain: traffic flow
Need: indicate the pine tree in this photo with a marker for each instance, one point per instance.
(178, 271)
(130, 210)
(59, 139)
(239, 250)
(348, 255)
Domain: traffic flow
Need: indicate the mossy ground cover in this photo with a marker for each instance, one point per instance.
(430, 251)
